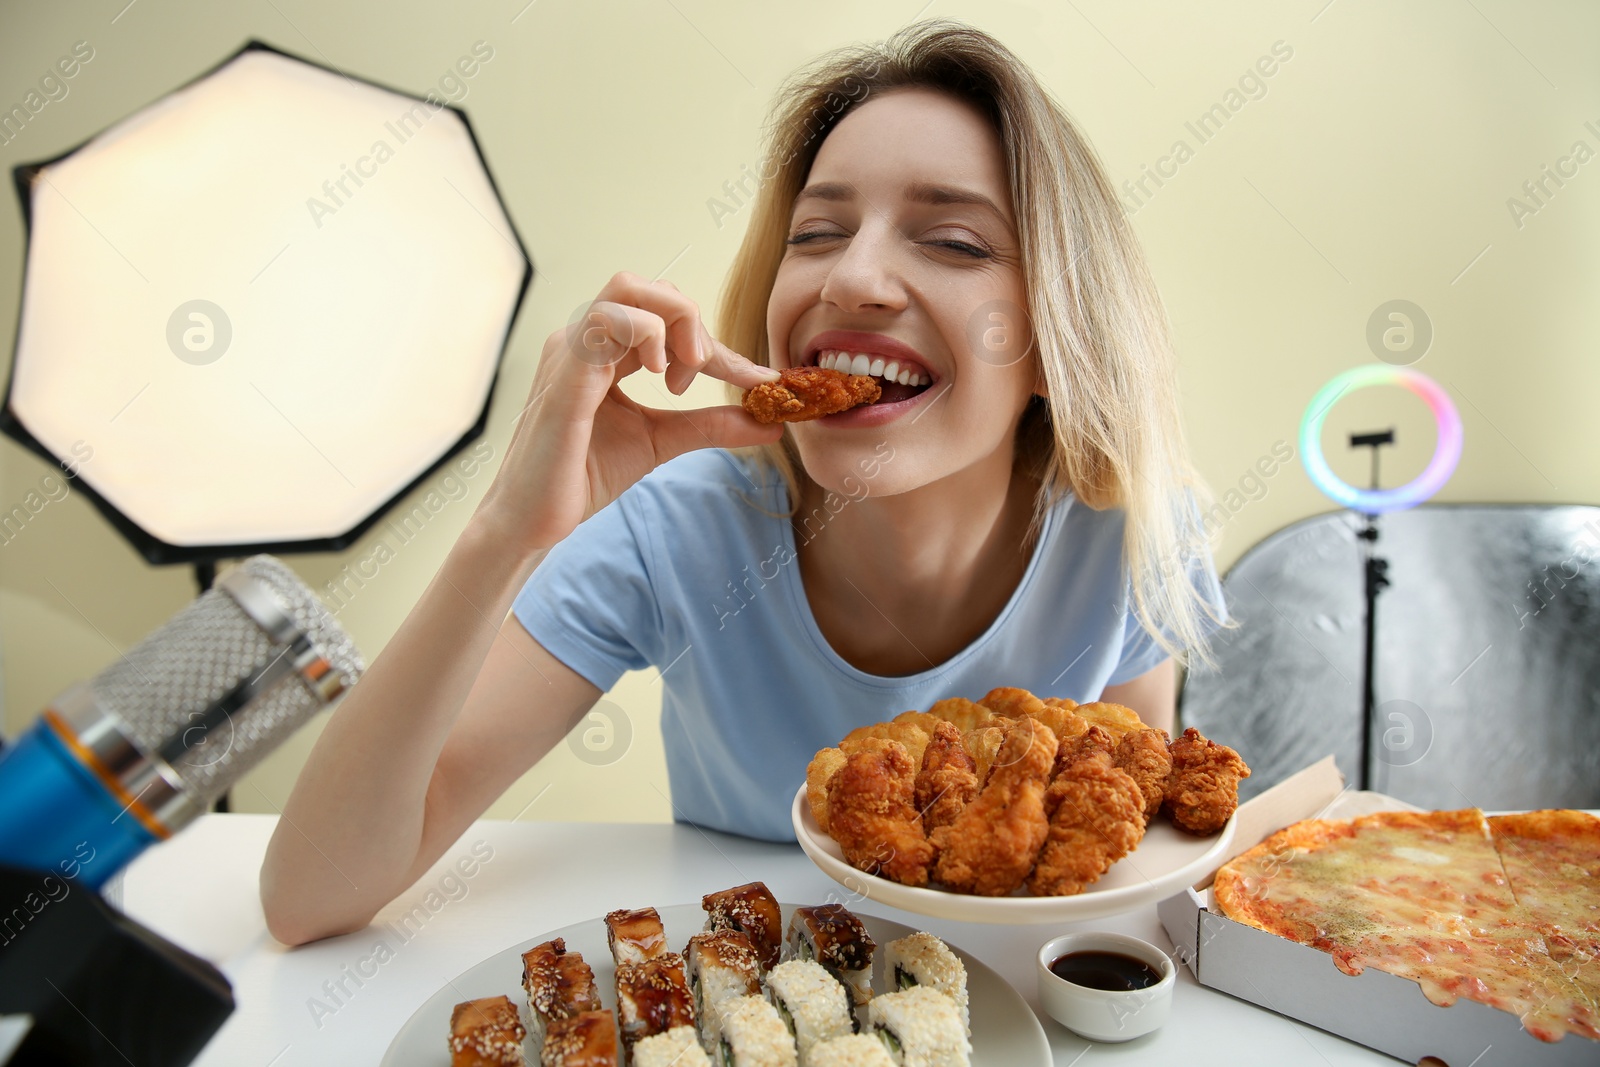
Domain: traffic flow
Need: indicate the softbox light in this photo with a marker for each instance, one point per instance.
(258, 311)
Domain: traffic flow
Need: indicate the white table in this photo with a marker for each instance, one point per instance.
(199, 890)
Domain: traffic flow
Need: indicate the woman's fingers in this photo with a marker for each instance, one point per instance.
(689, 346)
(733, 368)
(678, 377)
(678, 315)
(608, 331)
(635, 323)
(677, 432)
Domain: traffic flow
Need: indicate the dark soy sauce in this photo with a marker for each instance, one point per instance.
(1105, 970)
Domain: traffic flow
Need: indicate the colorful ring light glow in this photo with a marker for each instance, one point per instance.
(1375, 502)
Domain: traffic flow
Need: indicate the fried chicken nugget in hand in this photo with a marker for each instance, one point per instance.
(1203, 789)
(948, 780)
(872, 815)
(804, 393)
(1099, 818)
(991, 846)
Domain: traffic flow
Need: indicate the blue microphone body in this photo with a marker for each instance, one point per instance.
(127, 759)
(59, 818)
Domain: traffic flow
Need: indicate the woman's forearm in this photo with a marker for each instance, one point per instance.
(1153, 695)
(351, 831)
(375, 803)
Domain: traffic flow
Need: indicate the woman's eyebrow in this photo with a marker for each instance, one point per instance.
(917, 192)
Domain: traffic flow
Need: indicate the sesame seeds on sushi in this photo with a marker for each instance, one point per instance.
(678, 1047)
(587, 1039)
(558, 984)
(753, 910)
(722, 966)
(833, 936)
(812, 1003)
(920, 1027)
(753, 1036)
(857, 1050)
(920, 959)
(653, 997)
(486, 1032)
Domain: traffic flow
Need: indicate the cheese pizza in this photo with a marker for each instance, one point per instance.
(1503, 910)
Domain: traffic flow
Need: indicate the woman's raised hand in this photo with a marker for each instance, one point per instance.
(580, 442)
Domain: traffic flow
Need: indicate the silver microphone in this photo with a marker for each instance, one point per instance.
(169, 727)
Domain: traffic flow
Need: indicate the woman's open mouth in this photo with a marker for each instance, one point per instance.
(897, 380)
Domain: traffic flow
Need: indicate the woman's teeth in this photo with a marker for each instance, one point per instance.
(889, 370)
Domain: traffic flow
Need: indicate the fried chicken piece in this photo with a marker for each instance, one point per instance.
(1055, 713)
(1070, 751)
(826, 763)
(948, 780)
(1063, 722)
(967, 714)
(1099, 818)
(819, 771)
(992, 845)
(1115, 719)
(872, 815)
(1143, 754)
(983, 745)
(1203, 789)
(912, 736)
(920, 719)
(1012, 702)
(804, 393)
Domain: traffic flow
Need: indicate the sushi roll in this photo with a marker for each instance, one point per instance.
(835, 938)
(587, 1039)
(722, 966)
(635, 936)
(752, 909)
(653, 997)
(813, 1005)
(922, 959)
(859, 1050)
(486, 1033)
(558, 984)
(753, 1036)
(677, 1047)
(920, 1027)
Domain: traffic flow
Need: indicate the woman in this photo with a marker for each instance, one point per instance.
(1016, 509)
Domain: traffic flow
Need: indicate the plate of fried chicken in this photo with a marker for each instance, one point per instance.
(1018, 809)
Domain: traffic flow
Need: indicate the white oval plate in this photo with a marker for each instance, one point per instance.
(1165, 862)
(1004, 1028)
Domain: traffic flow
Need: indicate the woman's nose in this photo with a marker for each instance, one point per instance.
(866, 275)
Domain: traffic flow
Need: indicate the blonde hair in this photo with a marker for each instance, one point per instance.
(1109, 431)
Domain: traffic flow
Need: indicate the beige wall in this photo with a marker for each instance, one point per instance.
(1376, 163)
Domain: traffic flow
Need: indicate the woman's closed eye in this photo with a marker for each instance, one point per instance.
(965, 248)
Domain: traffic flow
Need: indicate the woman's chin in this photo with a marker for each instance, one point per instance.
(856, 471)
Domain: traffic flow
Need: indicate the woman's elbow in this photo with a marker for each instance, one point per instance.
(295, 922)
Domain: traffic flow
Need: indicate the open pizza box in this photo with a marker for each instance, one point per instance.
(1376, 1009)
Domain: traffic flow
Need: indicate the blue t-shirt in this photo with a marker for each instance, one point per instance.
(693, 569)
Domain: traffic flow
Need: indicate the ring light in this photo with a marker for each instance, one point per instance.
(1378, 501)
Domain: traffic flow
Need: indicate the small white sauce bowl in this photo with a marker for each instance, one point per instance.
(1101, 1014)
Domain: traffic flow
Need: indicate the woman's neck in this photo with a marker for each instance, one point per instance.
(899, 584)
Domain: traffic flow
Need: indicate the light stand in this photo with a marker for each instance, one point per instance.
(1376, 571)
(1373, 502)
